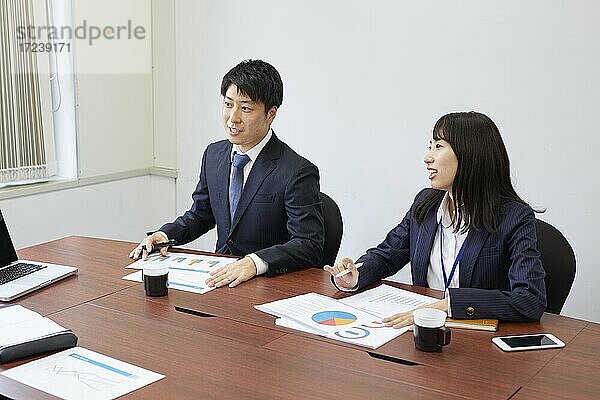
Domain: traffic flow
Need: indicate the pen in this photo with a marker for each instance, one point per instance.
(347, 271)
(160, 245)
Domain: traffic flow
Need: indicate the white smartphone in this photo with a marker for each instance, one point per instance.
(528, 342)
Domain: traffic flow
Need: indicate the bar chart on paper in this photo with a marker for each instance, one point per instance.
(187, 272)
(182, 262)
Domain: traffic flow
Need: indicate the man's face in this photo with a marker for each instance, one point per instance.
(244, 120)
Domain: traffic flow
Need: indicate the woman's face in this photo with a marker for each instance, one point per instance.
(441, 164)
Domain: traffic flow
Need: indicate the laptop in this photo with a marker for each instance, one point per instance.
(19, 277)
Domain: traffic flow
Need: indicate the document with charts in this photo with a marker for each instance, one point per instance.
(355, 319)
(79, 373)
(386, 300)
(346, 324)
(187, 272)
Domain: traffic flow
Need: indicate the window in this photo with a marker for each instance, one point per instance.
(26, 129)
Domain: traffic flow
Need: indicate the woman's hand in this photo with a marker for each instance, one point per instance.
(347, 281)
(401, 320)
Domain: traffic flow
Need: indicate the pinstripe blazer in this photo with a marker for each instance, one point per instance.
(500, 274)
(278, 217)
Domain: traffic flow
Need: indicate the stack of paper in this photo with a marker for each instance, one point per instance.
(386, 300)
(297, 305)
(355, 319)
(187, 272)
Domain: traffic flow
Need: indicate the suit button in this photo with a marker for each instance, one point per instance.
(229, 241)
(470, 311)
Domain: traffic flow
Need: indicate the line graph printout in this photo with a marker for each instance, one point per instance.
(79, 373)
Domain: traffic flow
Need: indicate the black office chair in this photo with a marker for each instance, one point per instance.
(558, 259)
(334, 227)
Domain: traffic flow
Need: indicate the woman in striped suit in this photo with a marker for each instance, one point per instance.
(470, 235)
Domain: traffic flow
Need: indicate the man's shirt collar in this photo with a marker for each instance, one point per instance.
(255, 151)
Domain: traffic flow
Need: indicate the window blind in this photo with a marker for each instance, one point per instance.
(23, 153)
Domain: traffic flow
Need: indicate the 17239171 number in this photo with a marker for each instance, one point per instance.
(34, 47)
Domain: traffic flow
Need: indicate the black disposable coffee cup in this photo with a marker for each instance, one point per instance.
(156, 281)
(429, 330)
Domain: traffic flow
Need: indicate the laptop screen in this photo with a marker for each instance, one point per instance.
(7, 250)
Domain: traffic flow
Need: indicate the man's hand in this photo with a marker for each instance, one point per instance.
(156, 237)
(233, 274)
(401, 320)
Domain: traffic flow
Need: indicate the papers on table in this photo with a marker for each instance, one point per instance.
(187, 272)
(355, 319)
(79, 373)
(20, 325)
(297, 305)
(386, 300)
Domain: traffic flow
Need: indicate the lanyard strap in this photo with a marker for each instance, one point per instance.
(447, 280)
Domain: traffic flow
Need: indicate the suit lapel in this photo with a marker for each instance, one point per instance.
(263, 166)
(426, 235)
(473, 244)
(222, 178)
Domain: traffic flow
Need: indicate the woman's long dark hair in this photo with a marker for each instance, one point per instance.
(482, 182)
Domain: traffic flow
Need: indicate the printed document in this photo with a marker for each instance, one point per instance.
(386, 300)
(297, 305)
(355, 319)
(79, 373)
(187, 272)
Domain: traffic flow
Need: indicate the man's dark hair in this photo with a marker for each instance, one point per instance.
(256, 79)
(482, 182)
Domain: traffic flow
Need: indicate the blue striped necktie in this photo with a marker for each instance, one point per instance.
(237, 181)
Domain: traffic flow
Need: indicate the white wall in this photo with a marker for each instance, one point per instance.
(114, 89)
(123, 209)
(365, 82)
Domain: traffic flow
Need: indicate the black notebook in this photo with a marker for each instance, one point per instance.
(25, 333)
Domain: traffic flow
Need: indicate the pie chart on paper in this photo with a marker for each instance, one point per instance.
(334, 318)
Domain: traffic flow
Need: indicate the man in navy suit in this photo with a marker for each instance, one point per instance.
(262, 196)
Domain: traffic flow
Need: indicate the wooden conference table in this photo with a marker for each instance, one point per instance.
(230, 350)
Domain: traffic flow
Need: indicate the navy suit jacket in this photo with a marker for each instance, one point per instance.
(279, 215)
(500, 274)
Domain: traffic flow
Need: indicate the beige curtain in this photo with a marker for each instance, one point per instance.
(22, 144)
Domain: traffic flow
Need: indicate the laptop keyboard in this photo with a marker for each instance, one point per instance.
(17, 271)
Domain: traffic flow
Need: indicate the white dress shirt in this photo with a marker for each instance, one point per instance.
(452, 243)
(252, 154)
